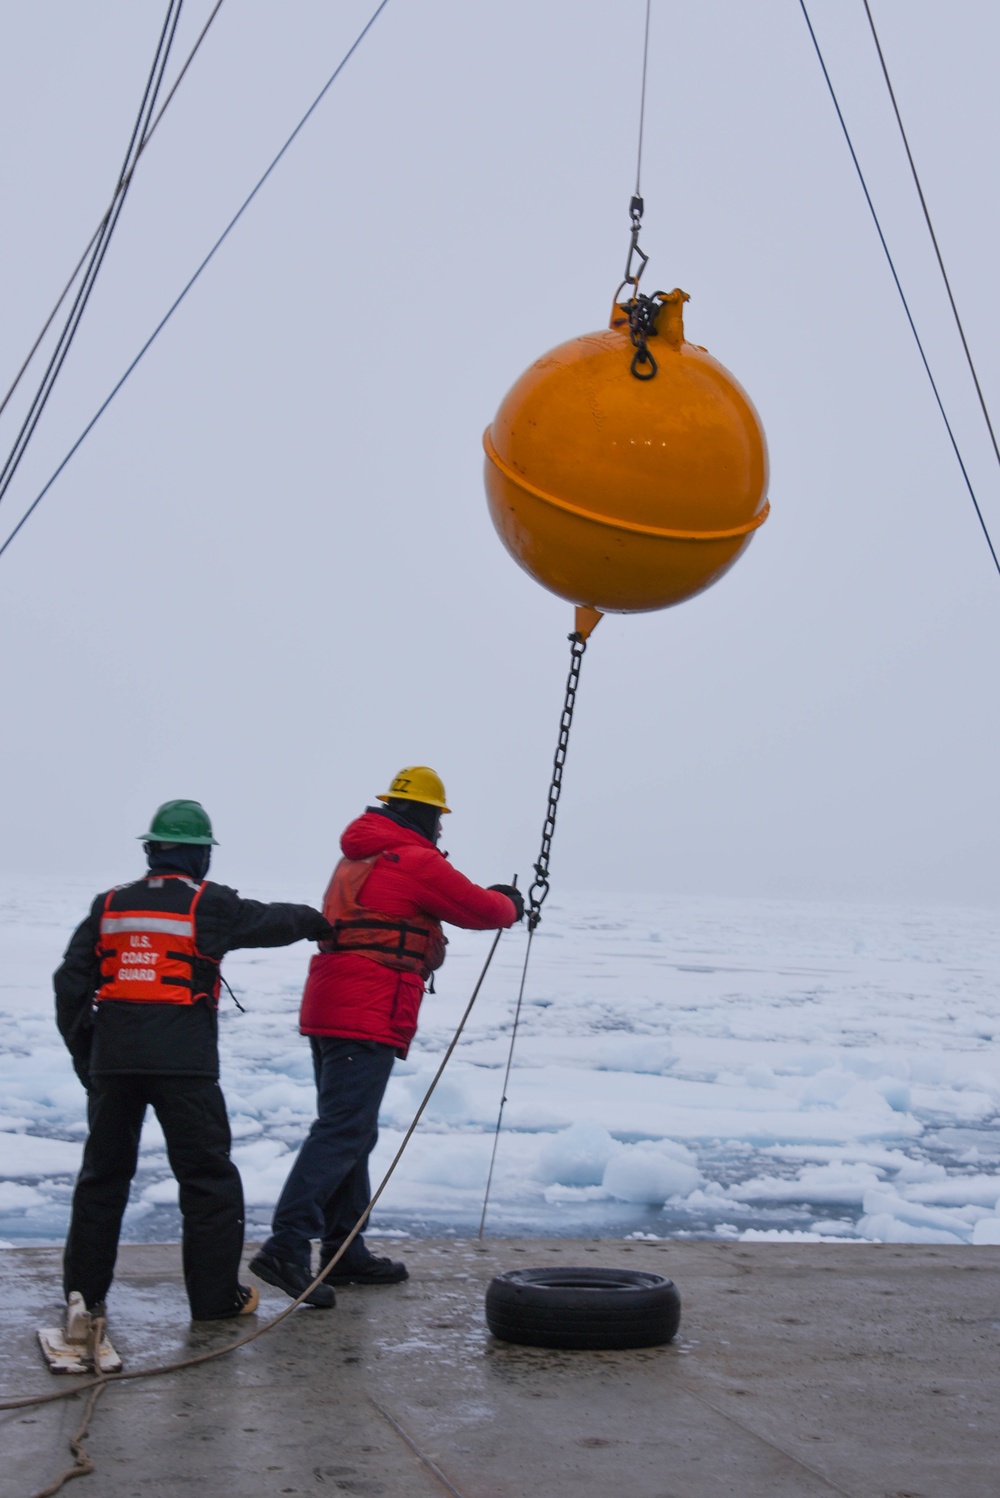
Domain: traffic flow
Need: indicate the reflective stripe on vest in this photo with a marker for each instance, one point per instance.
(414, 944)
(148, 956)
(147, 922)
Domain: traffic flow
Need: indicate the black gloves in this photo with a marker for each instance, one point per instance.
(79, 1042)
(514, 895)
(320, 929)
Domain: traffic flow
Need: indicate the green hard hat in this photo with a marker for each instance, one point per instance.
(179, 822)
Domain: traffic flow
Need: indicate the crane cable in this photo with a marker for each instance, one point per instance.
(930, 230)
(902, 295)
(642, 101)
(190, 283)
(641, 309)
(93, 238)
(101, 242)
(539, 890)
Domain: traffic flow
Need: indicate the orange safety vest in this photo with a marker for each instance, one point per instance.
(148, 955)
(414, 944)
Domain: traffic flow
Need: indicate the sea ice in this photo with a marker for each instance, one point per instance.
(883, 1227)
(892, 1218)
(836, 1182)
(29, 1156)
(16, 1197)
(895, 1092)
(761, 1076)
(576, 1156)
(759, 1067)
(650, 1173)
(457, 1161)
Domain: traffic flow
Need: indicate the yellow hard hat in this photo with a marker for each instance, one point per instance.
(417, 783)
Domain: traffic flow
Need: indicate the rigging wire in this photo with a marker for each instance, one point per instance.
(641, 310)
(187, 287)
(930, 230)
(93, 238)
(539, 890)
(100, 249)
(506, 1078)
(642, 101)
(902, 295)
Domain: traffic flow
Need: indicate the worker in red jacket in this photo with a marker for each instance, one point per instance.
(386, 901)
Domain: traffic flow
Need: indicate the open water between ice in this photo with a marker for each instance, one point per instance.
(715, 1068)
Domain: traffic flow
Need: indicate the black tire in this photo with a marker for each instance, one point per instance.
(584, 1308)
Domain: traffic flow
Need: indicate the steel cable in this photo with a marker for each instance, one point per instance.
(93, 238)
(99, 251)
(642, 101)
(506, 1079)
(641, 309)
(902, 295)
(183, 293)
(539, 891)
(933, 235)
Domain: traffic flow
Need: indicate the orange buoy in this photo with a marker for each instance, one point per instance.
(623, 490)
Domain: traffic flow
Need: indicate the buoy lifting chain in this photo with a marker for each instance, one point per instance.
(539, 890)
(637, 257)
(642, 310)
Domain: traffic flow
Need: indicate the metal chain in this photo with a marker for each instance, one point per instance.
(539, 890)
(632, 276)
(642, 310)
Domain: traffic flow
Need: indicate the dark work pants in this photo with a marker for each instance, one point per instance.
(328, 1187)
(192, 1114)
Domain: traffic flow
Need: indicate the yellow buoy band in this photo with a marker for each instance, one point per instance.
(621, 525)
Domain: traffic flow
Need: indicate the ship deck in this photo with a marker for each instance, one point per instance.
(801, 1370)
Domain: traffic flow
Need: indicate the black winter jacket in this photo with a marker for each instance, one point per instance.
(116, 1036)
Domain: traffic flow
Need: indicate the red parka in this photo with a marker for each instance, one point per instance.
(351, 995)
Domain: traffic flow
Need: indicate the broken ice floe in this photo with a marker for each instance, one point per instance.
(694, 1067)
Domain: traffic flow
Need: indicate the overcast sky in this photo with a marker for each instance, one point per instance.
(269, 578)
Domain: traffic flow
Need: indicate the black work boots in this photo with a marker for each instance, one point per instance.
(366, 1269)
(292, 1278)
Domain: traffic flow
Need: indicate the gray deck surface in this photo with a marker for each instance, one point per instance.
(800, 1371)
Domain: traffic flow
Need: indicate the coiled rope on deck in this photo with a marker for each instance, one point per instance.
(83, 1464)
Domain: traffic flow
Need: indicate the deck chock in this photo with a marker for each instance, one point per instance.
(68, 1349)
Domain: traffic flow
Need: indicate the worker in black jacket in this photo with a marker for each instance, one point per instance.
(136, 1003)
